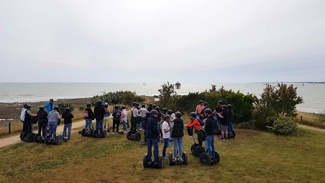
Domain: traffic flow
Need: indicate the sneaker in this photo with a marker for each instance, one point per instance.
(221, 139)
(180, 159)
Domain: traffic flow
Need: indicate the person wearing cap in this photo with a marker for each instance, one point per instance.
(49, 106)
(134, 116)
(218, 108)
(177, 135)
(42, 121)
(152, 134)
(209, 127)
(53, 122)
(142, 112)
(22, 113)
(67, 116)
(166, 133)
(99, 112)
(116, 119)
(28, 125)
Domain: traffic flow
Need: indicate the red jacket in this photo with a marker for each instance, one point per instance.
(195, 123)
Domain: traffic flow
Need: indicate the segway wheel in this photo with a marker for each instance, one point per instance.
(170, 159)
(137, 137)
(83, 132)
(198, 151)
(58, 140)
(231, 134)
(22, 135)
(38, 138)
(104, 133)
(160, 162)
(145, 165)
(31, 137)
(128, 135)
(184, 157)
(205, 159)
(217, 157)
(94, 133)
(218, 132)
(47, 139)
(193, 147)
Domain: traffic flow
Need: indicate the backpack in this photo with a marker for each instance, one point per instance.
(201, 122)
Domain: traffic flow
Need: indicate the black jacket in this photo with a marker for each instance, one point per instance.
(178, 130)
(152, 131)
(210, 126)
(99, 112)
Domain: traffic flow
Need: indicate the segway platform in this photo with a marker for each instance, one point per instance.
(133, 136)
(177, 161)
(151, 164)
(206, 159)
(57, 141)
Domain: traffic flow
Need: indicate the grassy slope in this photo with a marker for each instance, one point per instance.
(251, 157)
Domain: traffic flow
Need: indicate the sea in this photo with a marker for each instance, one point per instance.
(313, 94)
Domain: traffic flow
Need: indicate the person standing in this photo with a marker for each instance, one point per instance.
(42, 121)
(177, 135)
(210, 127)
(116, 119)
(27, 127)
(88, 117)
(142, 112)
(166, 133)
(124, 118)
(99, 114)
(53, 121)
(134, 117)
(199, 108)
(49, 106)
(195, 123)
(152, 134)
(224, 117)
(67, 116)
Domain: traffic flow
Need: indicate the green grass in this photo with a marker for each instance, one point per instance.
(311, 119)
(252, 156)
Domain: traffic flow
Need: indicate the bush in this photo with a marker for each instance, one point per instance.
(261, 115)
(119, 97)
(62, 107)
(283, 126)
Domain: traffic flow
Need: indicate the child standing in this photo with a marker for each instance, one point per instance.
(116, 119)
(67, 116)
(177, 134)
(166, 133)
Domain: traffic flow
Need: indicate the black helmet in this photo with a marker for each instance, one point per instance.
(116, 107)
(134, 104)
(170, 112)
(178, 114)
(25, 105)
(67, 109)
(229, 106)
(201, 101)
(123, 107)
(150, 105)
(164, 110)
(28, 106)
(99, 102)
(205, 104)
(56, 108)
(88, 105)
(153, 112)
(220, 102)
(208, 111)
(224, 106)
(157, 108)
(166, 117)
(148, 114)
(154, 105)
(193, 114)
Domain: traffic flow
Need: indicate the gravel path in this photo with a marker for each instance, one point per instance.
(311, 128)
(16, 139)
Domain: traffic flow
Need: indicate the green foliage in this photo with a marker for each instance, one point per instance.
(283, 126)
(167, 95)
(261, 114)
(282, 99)
(63, 106)
(119, 97)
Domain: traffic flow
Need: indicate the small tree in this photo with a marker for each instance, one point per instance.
(282, 99)
(167, 94)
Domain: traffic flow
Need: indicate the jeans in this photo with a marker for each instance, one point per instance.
(210, 142)
(52, 128)
(88, 123)
(166, 143)
(99, 125)
(42, 128)
(153, 142)
(178, 146)
(230, 126)
(124, 125)
(67, 127)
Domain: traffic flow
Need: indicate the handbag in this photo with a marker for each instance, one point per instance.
(86, 114)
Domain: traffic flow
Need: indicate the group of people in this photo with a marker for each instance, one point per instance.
(47, 117)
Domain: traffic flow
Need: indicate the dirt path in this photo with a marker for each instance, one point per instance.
(16, 139)
(311, 128)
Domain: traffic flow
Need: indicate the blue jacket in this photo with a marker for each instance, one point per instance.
(152, 131)
(48, 107)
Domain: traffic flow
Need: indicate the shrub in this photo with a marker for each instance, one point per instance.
(283, 126)
(63, 106)
(119, 97)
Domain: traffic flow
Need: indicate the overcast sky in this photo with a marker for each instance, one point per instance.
(158, 41)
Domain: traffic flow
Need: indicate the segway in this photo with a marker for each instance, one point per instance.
(196, 149)
(39, 138)
(177, 161)
(57, 141)
(27, 138)
(151, 164)
(231, 134)
(133, 136)
(97, 134)
(86, 133)
(205, 158)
